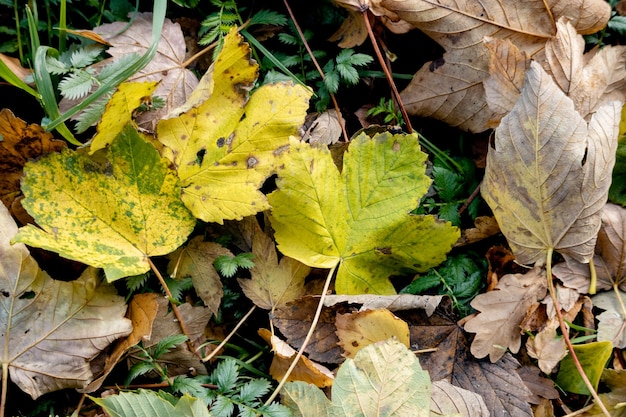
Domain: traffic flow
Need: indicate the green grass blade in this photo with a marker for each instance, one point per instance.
(10, 77)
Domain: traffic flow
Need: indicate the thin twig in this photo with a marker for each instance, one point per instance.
(307, 339)
(346, 138)
(383, 64)
(229, 336)
(568, 342)
(175, 310)
(470, 198)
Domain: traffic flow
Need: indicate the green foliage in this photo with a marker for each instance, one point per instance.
(452, 187)
(387, 108)
(149, 358)
(228, 265)
(149, 404)
(460, 277)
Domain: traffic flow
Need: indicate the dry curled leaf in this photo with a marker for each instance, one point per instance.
(453, 91)
(547, 348)
(502, 311)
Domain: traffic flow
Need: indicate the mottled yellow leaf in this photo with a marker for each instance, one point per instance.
(227, 146)
(113, 216)
(119, 112)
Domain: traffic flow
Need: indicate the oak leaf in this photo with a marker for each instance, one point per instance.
(558, 172)
(113, 216)
(453, 91)
(51, 330)
(501, 311)
(358, 220)
(228, 142)
(272, 283)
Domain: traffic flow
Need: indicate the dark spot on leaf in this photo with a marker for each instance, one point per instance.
(436, 64)
(311, 165)
(5, 293)
(200, 156)
(492, 141)
(584, 157)
(243, 117)
(281, 150)
(28, 295)
(251, 162)
(221, 142)
(384, 251)
(183, 137)
(355, 343)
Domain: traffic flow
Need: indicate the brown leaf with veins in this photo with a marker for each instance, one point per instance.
(454, 92)
(547, 348)
(20, 143)
(497, 325)
(272, 283)
(167, 67)
(447, 399)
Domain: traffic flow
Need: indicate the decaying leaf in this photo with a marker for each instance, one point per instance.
(501, 312)
(363, 328)
(168, 66)
(593, 358)
(305, 400)
(397, 302)
(51, 330)
(306, 370)
(611, 322)
(195, 260)
(452, 90)
(613, 399)
(113, 216)
(447, 399)
(558, 172)
(229, 142)
(322, 128)
(358, 219)
(547, 348)
(20, 143)
(272, 283)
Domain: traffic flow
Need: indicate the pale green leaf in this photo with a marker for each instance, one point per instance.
(360, 218)
(113, 216)
(593, 358)
(76, 85)
(51, 329)
(150, 404)
(305, 400)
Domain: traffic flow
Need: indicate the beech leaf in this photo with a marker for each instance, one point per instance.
(451, 88)
(359, 219)
(113, 216)
(225, 142)
(558, 172)
(51, 329)
(501, 312)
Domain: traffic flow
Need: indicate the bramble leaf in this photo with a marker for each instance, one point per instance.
(113, 216)
(226, 142)
(359, 219)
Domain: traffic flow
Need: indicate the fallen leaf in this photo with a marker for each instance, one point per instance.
(272, 283)
(540, 386)
(390, 302)
(112, 216)
(20, 143)
(547, 348)
(557, 168)
(167, 67)
(145, 403)
(119, 112)
(447, 399)
(363, 328)
(305, 371)
(501, 312)
(231, 143)
(52, 329)
(613, 399)
(305, 400)
(325, 219)
(486, 226)
(142, 310)
(611, 323)
(195, 260)
(16, 68)
(322, 128)
(453, 92)
(592, 357)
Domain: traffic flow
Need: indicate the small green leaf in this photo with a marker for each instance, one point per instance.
(76, 85)
(167, 344)
(149, 404)
(593, 358)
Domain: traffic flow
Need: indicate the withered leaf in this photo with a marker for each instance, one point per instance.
(502, 311)
(547, 348)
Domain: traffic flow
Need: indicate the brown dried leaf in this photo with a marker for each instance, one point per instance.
(453, 92)
(176, 82)
(486, 226)
(14, 65)
(272, 283)
(306, 370)
(502, 311)
(547, 348)
(363, 328)
(196, 261)
(447, 399)
(322, 128)
(540, 386)
(390, 302)
(20, 143)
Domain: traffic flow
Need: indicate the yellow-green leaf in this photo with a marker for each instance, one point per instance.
(113, 216)
(360, 218)
(119, 112)
(226, 146)
(593, 358)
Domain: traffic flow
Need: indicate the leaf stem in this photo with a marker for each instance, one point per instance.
(175, 310)
(346, 138)
(594, 277)
(5, 386)
(229, 336)
(308, 337)
(565, 331)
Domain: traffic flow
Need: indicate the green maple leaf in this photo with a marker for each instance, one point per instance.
(112, 216)
(360, 218)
